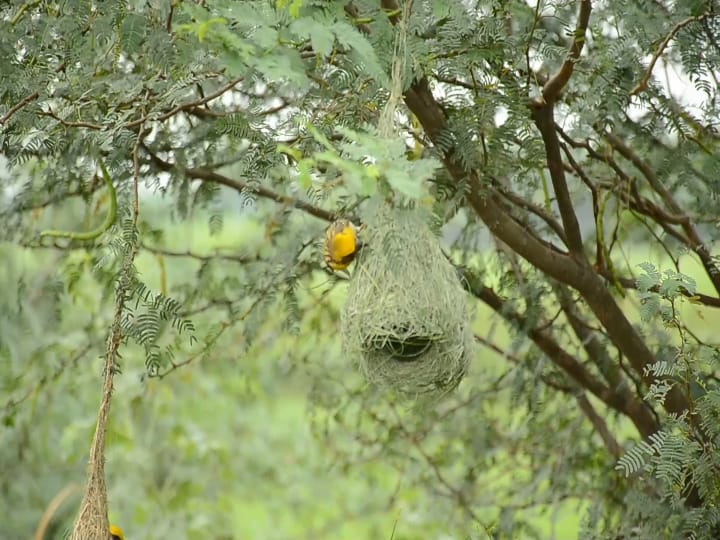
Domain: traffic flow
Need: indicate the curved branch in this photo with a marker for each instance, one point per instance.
(600, 426)
(190, 105)
(70, 123)
(104, 226)
(197, 256)
(260, 191)
(641, 414)
(19, 105)
(557, 82)
(642, 85)
(208, 175)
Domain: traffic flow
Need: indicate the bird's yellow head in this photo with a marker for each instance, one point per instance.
(116, 533)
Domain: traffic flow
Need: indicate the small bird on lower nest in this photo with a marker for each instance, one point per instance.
(342, 244)
(116, 533)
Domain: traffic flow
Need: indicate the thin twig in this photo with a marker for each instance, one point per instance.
(192, 255)
(642, 85)
(68, 123)
(19, 105)
(23, 8)
(224, 325)
(584, 404)
(49, 512)
(455, 492)
(531, 34)
(600, 426)
(201, 173)
(13, 403)
(695, 242)
(533, 208)
(168, 22)
(185, 106)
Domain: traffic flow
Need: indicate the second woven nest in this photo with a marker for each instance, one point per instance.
(406, 320)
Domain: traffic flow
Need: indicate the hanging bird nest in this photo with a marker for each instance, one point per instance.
(405, 320)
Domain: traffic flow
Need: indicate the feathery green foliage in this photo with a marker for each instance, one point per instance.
(569, 153)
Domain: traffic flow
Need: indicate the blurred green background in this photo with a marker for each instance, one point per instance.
(274, 439)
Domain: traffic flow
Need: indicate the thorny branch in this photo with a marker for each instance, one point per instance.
(601, 428)
(540, 212)
(643, 416)
(190, 107)
(13, 403)
(644, 422)
(224, 325)
(629, 195)
(453, 491)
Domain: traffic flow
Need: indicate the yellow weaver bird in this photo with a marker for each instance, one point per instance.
(341, 244)
(116, 533)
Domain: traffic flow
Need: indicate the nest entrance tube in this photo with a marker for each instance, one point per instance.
(92, 519)
(405, 320)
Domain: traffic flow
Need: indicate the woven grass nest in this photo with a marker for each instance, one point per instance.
(405, 320)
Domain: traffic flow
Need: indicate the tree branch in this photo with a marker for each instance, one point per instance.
(190, 105)
(240, 186)
(69, 123)
(21, 11)
(533, 209)
(261, 191)
(647, 171)
(629, 283)
(564, 268)
(642, 85)
(638, 411)
(19, 105)
(693, 237)
(557, 82)
(599, 425)
(233, 319)
(637, 202)
(544, 120)
(192, 255)
(641, 417)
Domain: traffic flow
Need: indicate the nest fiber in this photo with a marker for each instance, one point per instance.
(92, 519)
(405, 319)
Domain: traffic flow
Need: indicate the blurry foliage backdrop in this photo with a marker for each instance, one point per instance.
(569, 149)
